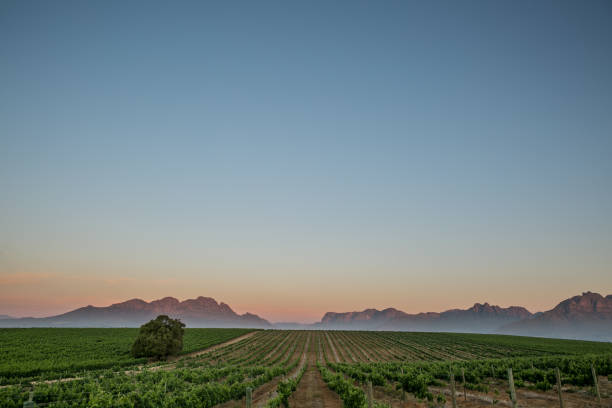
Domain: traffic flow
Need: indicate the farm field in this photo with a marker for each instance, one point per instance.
(53, 352)
(303, 369)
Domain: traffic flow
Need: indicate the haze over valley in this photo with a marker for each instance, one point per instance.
(587, 317)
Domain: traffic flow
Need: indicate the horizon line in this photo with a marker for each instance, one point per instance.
(297, 321)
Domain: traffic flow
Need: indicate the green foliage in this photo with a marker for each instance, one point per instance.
(533, 373)
(438, 346)
(543, 385)
(421, 362)
(352, 396)
(159, 338)
(417, 384)
(284, 390)
(48, 353)
(477, 387)
(63, 352)
(204, 385)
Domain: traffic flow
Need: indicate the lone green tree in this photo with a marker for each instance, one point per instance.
(159, 338)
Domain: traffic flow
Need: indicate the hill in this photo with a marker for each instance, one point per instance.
(587, 316)
(480, 318)
(200, 312)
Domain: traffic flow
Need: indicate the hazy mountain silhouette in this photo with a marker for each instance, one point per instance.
(481, 318)
(200, 312)
(588, 316)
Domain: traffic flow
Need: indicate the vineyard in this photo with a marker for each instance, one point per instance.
(50, 353)
(272, 368)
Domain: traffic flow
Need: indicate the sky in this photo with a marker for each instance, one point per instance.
(293, 158)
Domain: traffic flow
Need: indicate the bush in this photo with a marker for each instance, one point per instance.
(543, 385)
(477, 387)
(417, 384)
(159, 338)
(352, 397)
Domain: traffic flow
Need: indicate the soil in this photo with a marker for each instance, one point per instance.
(312, 390)
(333, 349)
(212, 348)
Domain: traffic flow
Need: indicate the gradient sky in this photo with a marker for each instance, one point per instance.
(292, 158)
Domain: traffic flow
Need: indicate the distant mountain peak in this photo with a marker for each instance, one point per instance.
(199, 312)
(487, 309)
(487, 317)
(134, 301)
(168, 300)
(586, 316)
(588, 303)
(583, 316)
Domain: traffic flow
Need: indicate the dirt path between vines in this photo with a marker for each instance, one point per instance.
(293, 375)
(331, 345)
(212, 348)
(277, 347)
(262, 394)
(312, 390)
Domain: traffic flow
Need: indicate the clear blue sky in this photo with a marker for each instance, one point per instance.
(291, 158)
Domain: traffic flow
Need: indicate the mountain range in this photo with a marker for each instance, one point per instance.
(587, 316)
(482, 318)
(200, 312)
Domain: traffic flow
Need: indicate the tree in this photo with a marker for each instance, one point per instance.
(159, 338)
